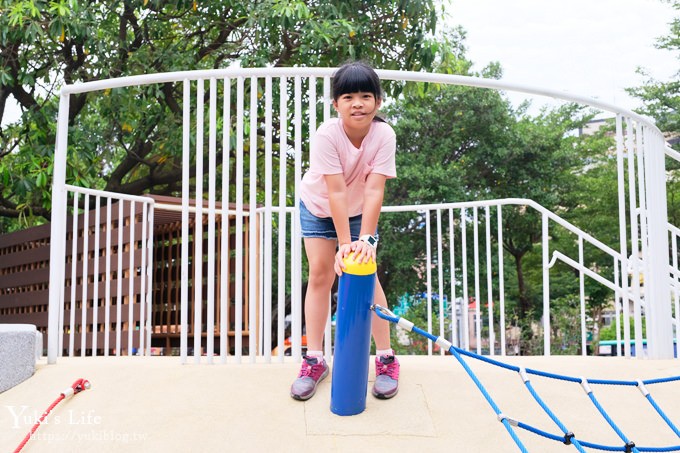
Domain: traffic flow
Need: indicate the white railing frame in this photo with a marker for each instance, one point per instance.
(642, 140)
(144, 334)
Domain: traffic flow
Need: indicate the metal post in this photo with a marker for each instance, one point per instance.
(352, 338)
(58, 232)
(657, 285)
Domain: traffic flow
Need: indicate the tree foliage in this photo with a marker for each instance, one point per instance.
(662, 99)
(459, 144)
(127, 140)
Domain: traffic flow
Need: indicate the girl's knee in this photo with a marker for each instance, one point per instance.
(321, 279)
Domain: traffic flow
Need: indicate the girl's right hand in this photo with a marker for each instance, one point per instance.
(343, 251)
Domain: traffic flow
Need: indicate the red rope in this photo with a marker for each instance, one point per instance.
(77, 387)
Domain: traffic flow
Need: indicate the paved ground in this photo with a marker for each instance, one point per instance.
(155, 404)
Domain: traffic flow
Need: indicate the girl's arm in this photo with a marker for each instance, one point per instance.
(373, 199)
(337, 198)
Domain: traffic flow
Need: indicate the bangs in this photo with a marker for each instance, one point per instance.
(354, 78)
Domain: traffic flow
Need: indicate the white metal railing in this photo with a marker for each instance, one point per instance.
(249, 96)
(118, 225)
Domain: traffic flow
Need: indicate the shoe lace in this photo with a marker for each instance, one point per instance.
(313, 371)
(391, 369)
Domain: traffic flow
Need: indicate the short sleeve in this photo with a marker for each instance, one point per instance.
(324, 158)
(385, 160)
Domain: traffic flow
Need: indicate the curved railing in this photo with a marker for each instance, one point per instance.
(289, 93)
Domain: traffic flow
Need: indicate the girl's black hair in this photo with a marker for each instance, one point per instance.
(354, 77)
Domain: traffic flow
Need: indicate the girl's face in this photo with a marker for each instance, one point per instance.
(357, 109)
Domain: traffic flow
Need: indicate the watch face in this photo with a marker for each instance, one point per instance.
(370, 240)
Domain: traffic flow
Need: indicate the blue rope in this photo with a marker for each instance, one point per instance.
(554, 418)
(662, 414)
(609, 419)
(479, 385)
(568, 436)
(595, 446)
(661, 380)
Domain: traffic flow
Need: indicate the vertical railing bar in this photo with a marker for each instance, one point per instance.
(107, 287)
(95, 274)
(328, 342)
(149, 276)
(281, 260)
(268, 240)
(582, 296)
(622, 235)
(465, 305)
(296, 255)
(225, 230)
(212, 189)
(184, 272)
(478, 302)
(260, 284)
(501, 279)
(489, 283)
(131, 279)
(676, 291)
(142, 286)
(85, 275)
(632, 201)
(452, 257)
(253, 317)
(617, 308)
(546, 284)
(238, 318)
(327, 101)
(312, 95)
(198, 224)
(642, 198)
(74, 277)
(440, 276)
(119, 279)
(428, 252)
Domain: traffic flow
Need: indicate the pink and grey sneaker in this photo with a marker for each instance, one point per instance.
(313, 371)
(386, 377)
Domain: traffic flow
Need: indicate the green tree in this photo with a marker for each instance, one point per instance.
(459, 143)
(128, 140)
(662, 99)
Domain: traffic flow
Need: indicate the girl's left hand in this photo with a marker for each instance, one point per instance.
(363, 252)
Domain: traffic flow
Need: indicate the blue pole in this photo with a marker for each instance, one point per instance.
(352, 338)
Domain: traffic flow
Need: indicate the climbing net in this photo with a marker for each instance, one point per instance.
(567, 437)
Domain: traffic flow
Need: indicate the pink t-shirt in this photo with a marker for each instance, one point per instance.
(332, 153)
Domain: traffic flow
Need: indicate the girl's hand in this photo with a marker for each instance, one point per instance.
(343, 251)
(363, 252)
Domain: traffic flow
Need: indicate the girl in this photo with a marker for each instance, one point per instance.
(351, 157)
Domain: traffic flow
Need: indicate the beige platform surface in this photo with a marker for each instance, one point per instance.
(156, 404)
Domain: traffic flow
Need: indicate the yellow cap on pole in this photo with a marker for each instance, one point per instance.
(359, 268)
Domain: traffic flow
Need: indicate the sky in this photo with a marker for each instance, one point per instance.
(584, 47)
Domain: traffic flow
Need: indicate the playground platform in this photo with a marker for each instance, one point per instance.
(156, 404)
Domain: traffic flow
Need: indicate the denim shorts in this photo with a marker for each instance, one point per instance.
(323, 227)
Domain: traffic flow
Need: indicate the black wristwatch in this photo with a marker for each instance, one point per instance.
(369, 239)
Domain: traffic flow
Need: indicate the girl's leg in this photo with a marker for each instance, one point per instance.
(379, 327)
(321, 256)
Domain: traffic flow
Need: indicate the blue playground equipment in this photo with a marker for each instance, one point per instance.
(352, 337)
